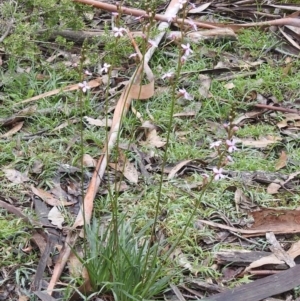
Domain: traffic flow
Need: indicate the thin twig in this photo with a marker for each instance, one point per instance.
(273, 108)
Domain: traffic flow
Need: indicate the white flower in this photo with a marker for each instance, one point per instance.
(181, 3)
(118, 32)
(84, 86)
(152, 43)
(215, 144)
(231, 145)
(185, 94)
(105, 68)
(218, 173)
(187, 49)
(168, 75)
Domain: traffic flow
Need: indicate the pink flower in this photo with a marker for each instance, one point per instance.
(118, 32)
(185, 94)
(231, 145)
(192, 24)
(173, 36)
(152, 43)
(168, 75)
(87, 72)
(141, 17)
(235, 128)
(215, 144)
(187, 49)
(218, 173)
(84, 86)
(105, 68)
(192, 5)
(183, 59)
(115, 14)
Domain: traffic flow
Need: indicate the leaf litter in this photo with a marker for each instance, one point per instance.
(283, 185)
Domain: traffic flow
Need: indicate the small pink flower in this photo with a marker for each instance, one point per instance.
(84, 86)
(218, 173)
(118, 32)
(192, 5)
(231, 145)
(105, 68)
(225, 125)
(183, 59)
(168, 75)
(215, 144)
(173, 36)
(115, 14)
(87, 72)
(141, 17)
(185, 94)
(152, 43)
(235, 128)
(187, 49)
(192, 24)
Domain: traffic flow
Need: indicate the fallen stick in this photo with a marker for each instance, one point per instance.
(273, 108)
(209, 25)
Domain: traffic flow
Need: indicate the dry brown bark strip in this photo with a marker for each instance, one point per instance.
(262, 288)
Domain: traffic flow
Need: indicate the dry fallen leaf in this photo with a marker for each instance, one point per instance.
(290, 120)
(127, 168)
(273, 188)
(49, 198)
(282, 161)
(98, 122)
(200, 8)
(56, 217)
(263, 142)
(229, 86)
(185, 114)
(205, 83)
(75, 265)
(153, 140)
(176, 168)
(15, 176)
(14, 130)
(293, 252)
(88, 161)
